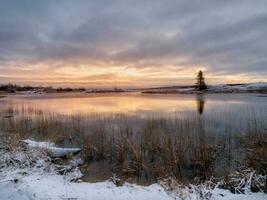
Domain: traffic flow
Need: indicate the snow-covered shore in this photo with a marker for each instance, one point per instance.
(55, 187)
(31, 174)
(252, 87)
(260, 87)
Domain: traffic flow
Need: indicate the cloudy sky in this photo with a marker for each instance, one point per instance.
(101, 43)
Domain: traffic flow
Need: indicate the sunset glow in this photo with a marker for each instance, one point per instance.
(131, 44)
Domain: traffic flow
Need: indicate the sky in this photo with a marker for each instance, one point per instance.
(132, 43)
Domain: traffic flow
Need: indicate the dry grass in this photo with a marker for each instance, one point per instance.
(145, 149)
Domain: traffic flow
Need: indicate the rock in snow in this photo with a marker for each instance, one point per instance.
(50, 148)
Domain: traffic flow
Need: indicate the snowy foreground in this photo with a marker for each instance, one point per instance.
(31, 174)
(56, 187)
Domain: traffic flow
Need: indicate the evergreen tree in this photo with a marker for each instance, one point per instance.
(200, 84)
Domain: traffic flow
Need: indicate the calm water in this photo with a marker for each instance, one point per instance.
(189, 135)
(139, 104)
(219, 110)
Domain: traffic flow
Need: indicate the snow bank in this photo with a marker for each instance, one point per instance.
(44, 187)
(31, 175)
(55, 187)
(50, 148)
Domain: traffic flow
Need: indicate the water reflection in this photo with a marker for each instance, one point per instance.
(200, 103)
(107, 103)
(235, 105)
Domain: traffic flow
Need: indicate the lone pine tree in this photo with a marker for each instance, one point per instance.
(200, 84)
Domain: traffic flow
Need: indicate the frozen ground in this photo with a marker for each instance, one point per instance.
(238, 88)
(31, 175)
(44, 187)
(219, 88)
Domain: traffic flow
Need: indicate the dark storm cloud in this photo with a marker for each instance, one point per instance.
(224, 36)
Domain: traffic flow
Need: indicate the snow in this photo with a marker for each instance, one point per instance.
(55, 187)
(32, 175)
(50, 148)
(218, 88)
(221, 194)
(257, 85)
(242, 87)
(32, 143)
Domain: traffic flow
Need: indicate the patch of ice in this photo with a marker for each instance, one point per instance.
(52, 151)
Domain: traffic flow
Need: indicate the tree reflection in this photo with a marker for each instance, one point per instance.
(200, 103)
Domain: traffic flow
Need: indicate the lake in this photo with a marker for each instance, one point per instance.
(236, 109)
(145, 136)
(138, 104)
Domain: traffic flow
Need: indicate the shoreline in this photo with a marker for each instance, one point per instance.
(85, 94)
(31, 174)
(260, 87)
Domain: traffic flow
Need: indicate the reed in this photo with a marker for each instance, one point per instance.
(147, 149)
